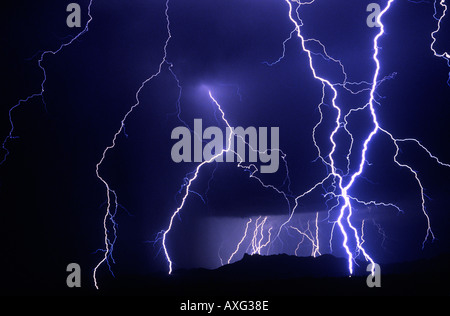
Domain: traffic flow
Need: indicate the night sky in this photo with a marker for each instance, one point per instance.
(53, 205)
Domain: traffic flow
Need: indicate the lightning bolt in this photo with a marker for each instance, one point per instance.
(444, 55)
(40, 94)
(314, 239)
(339, 179)
(240, 242)
(346, 208)
(111, 196)
(195, 175)
(256, 243)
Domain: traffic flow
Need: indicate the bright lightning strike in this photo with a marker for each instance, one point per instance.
(240, 242)
(111, 196)
(191, 180)
(346, 208)
(340, 180)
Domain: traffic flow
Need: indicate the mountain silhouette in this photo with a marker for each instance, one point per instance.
(287, 275)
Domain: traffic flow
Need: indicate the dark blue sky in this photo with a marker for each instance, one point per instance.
(53, 204)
